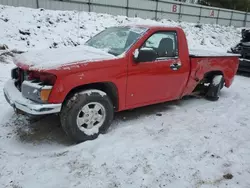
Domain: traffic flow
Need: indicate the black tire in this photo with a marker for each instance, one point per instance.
(223, 83)
(73, 106)
(214, 88)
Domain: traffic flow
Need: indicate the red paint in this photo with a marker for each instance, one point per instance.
(200, 66)
(212, 13)
(174, 8)
(140, 84)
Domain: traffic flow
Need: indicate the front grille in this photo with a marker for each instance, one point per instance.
(19, 75)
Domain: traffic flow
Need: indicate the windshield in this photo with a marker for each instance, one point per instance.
(116, 40)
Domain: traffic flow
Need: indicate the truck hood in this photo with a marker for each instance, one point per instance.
(60, 57)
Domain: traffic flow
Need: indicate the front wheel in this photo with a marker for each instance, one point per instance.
(86, 115)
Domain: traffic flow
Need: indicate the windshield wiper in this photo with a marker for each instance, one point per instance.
(113, 53)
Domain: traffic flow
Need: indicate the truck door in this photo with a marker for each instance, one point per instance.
(159, 80)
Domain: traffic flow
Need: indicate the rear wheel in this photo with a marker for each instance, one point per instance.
(214, 88)
(86, 115)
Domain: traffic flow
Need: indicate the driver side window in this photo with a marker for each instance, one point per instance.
(163, 43)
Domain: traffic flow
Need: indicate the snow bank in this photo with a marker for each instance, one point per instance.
(25, 29)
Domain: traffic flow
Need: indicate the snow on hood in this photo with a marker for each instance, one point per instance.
(55, 58)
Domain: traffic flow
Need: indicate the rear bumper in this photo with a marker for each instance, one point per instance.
(244, 65)
(17, 101)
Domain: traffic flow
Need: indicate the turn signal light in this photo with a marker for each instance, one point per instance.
(44, 94)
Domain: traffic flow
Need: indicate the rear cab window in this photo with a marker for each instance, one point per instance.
(164, 43)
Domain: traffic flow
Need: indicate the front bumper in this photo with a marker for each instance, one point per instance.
(17, 101)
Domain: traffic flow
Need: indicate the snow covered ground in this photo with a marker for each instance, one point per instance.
(25, 28)
(190, 143)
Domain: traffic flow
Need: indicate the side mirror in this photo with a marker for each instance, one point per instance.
(145, 55)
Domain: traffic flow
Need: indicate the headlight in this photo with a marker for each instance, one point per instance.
(36, 91)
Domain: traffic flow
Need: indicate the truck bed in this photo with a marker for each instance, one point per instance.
(209, 53)
(205, 61)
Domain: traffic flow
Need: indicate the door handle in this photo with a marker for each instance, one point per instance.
(175, 66)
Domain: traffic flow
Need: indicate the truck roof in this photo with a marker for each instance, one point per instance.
(154, 26)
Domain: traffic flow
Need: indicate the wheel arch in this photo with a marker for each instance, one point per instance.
(207, 78)
(209, 75)
(108, 87)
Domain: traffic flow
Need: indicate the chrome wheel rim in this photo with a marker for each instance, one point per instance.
(91, 117)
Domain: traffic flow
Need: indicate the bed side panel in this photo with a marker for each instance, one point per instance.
(202, 65)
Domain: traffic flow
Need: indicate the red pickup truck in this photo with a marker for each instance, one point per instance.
(118, 69)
